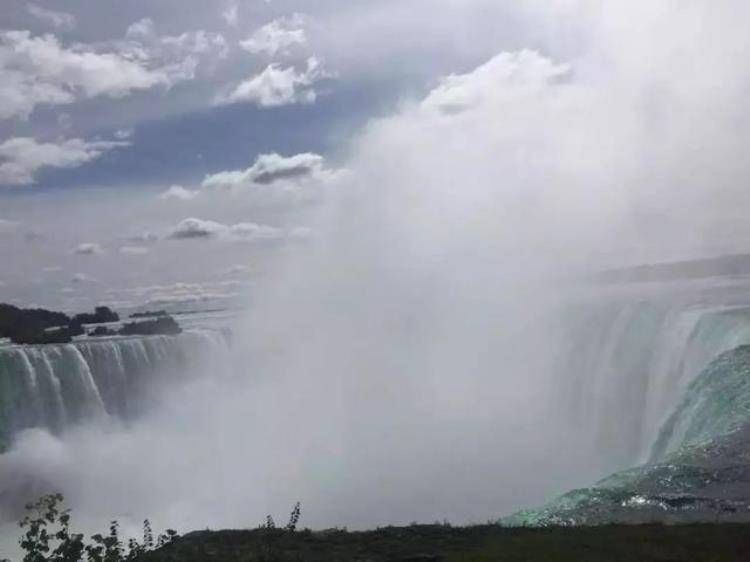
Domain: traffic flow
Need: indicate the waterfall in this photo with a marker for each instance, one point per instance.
(662, 391)
(715, 404)
(628, 364)
(55, 386)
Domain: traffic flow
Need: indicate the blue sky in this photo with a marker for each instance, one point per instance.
(170, 151)
(177, 122)
(115, 113)
(406, 188)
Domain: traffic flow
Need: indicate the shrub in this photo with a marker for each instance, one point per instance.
(47, 537)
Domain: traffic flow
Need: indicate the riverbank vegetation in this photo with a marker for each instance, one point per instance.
(48, 538)
(38, 326)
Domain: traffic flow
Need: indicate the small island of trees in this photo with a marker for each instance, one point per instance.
(37, 326)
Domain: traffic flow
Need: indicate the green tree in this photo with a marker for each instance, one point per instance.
(47, 537)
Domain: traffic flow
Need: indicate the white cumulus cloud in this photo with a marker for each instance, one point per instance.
(276, 37)
(179, 193)
(278, 86)
(269, 169)
(37, 70)
(22, 157)
(506, 75)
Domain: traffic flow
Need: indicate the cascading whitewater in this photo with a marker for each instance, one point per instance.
(55, 386)
(628, 364)
(628, 361)
(715, 404)
(669, 387)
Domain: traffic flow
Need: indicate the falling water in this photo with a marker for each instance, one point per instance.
(55, 386)
(628, 363)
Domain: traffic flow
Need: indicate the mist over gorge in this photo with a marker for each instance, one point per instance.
(422, 331)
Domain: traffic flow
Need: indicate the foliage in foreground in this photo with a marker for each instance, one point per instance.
(48, 538)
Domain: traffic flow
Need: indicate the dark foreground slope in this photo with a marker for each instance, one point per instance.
(696, 543)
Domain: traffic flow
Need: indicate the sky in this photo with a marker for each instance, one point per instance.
(168, 152)
(404, 186)
(137, 136)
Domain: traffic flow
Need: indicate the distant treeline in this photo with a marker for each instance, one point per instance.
(39, 326)
(32, 326)
(102, 315)
(732, 265)
(23, 325)
(163, 325)
(149, 314)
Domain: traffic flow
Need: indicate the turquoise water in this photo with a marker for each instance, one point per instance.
(715, 404)
(700, 465)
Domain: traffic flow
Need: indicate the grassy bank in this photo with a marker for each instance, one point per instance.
(645, 543)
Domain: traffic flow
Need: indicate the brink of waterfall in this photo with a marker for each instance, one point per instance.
(55, 387)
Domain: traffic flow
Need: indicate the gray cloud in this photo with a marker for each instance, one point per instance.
(79, 278)
(251, 231)
(182, 293)
(197, 228)
(144, 237)
(123, 134)
(238, 270)
(88, 249)
(7, 225)
(269, 169)
(245, 231)
(59, 20)
(134, 250)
